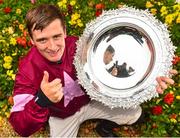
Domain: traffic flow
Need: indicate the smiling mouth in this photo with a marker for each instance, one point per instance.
(53, 53)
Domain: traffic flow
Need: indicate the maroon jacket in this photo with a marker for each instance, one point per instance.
(27, 116)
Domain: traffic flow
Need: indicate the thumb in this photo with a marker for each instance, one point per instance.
(45, 77)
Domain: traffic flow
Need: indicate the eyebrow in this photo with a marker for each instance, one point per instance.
(57, 35)
(45, 38)
(41, 39)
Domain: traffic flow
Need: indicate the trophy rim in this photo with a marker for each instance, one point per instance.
(163, 54)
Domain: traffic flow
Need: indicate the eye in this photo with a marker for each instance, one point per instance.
(57, 37)
(42, 41)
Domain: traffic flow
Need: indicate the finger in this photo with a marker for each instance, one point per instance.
(56, 88)
(46, 77)
(159, 89)
(55, 82)
(161, 83)
(173, 72)
(167, 80)
(59, 95)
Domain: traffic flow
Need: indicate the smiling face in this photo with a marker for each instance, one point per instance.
(108, 57)
(50, 41)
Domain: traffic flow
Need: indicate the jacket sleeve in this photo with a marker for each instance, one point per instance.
(27, 116)
(29, 120)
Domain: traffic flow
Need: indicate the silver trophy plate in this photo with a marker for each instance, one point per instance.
(119, 56)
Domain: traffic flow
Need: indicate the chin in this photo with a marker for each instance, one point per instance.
(54, 60)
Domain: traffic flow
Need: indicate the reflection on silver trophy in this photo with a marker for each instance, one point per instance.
(116, 70)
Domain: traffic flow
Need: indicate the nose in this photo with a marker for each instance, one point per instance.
(52, 45)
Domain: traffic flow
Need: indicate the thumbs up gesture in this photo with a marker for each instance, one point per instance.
(53, 90)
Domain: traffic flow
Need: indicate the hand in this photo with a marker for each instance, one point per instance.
(114, 71)
(164, 81)
(53, 90)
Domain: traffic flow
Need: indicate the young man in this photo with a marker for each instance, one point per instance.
(46, 87)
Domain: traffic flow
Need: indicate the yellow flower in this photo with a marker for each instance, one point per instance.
(75, 16)
(173, 120)
(7, 65)
(178, 19)
(10, 30)
(72, 22)
(169, 19)
(7, 114)
(163, 9)
(149, 4)
(72, 2)
(13, 41)
(64, 1)
(8, 59)
(79, 23)
(21, 27)
(176, 7)
(178, 97)
(154, 11)
(13, 76)
(18, 11)
(60, 4)
(9, 72)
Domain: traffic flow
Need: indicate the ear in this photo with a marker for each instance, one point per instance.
(32, 41)
(65, 34)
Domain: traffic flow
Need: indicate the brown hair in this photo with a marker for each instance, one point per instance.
(40, 17)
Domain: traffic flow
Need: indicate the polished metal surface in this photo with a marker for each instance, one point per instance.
(119, 56)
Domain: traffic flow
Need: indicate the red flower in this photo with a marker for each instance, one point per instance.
(157, 110)
(7, 10)
(176, 59)
(98, 12)
(168, 98)
(1, 1)
(100, 6)
(21, 41)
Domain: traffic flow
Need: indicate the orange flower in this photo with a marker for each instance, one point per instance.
(100, 6)
(21, 41)
(10, 100)
(168, 98)
(173, 116)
